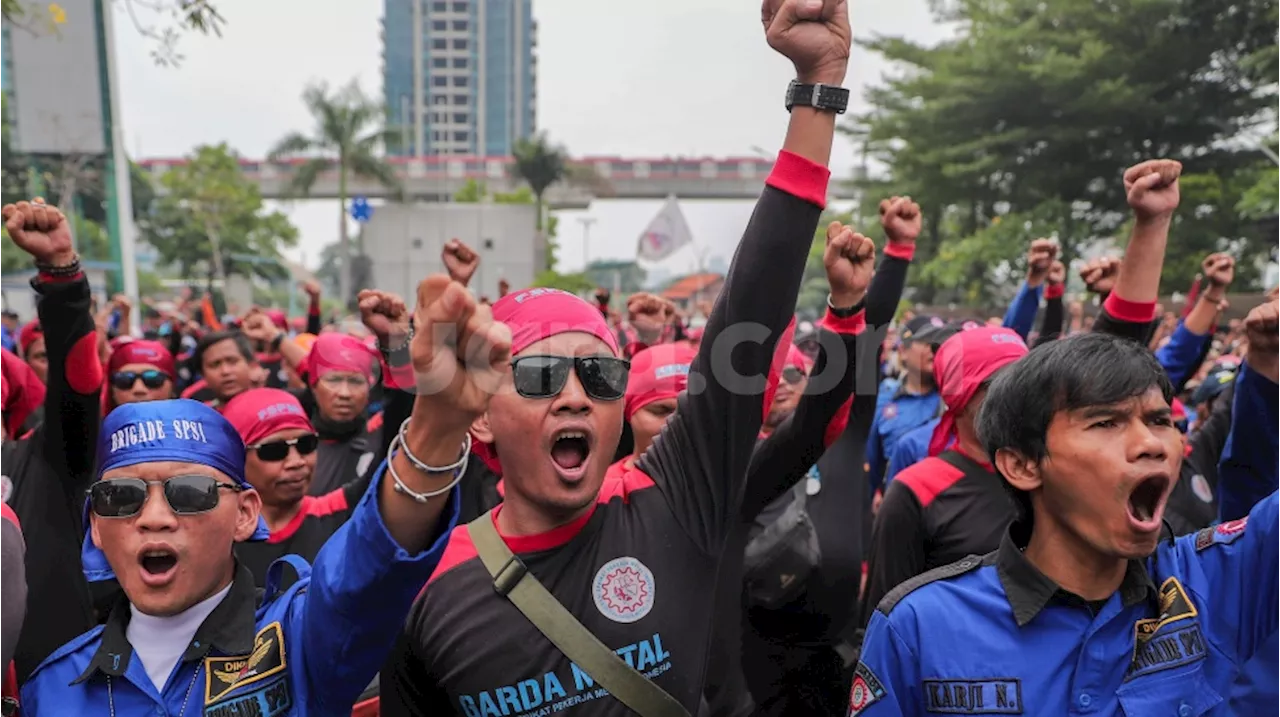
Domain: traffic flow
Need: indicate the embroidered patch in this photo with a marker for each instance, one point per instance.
(889, 412)
(224, 674)
(624, 590)
(1223, 534)
(1201, 488)
(1156, 645)
(995, 696)
(866, 690)
(270, 700)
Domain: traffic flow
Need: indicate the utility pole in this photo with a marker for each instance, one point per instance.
(586, 223)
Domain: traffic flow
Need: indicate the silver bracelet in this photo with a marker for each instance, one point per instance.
(404, 446)
(403, 489)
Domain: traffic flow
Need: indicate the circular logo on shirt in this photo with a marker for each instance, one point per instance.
(890, 411)
(1233, 526)
(6, 488)
(1201, 488)
(623, 590)
(362, 464)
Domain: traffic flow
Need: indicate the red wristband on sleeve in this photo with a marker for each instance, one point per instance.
(1138, 312)
(849, 325)
(906, 252)
(1054, 291)
(800, 178)
(49, 279)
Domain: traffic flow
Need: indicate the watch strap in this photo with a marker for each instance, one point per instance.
(818, 96)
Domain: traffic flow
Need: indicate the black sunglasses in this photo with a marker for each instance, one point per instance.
(186, 495)
(792, 375)
(274, 451)
(151, 378)
(604, 378)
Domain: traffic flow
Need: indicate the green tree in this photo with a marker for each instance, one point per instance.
(177, 17)
(540, 164)
(348, 137)
(573, 283)
(629, 275)
(1033, 106)
(211, 219)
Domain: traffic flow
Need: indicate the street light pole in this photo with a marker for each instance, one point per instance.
(586, 223)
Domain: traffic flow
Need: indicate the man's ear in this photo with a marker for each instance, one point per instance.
(480, 428)
(1021, 472)
(93, 531)
(250, 505)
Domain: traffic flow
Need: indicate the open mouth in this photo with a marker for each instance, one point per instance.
(1146, 501)
(569, 451)
(157, 565)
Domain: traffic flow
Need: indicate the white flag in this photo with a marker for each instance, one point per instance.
(667, 232)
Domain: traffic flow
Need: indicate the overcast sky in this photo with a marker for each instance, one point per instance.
(652, 78)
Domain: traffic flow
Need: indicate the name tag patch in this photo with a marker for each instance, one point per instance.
(270, 700)
(1000, 696)
(866, 690)
(1170, 640)
(224, 674)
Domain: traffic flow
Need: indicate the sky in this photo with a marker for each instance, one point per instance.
(654, 78)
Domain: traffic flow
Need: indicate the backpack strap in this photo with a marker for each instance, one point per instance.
(276, 571)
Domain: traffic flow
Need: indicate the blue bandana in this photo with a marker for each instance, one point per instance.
(179, 430)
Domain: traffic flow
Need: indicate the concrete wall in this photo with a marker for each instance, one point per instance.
(404, 242)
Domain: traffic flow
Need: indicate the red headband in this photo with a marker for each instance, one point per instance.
(657, 373)
(141, 351)
(278, 318)
(962, 364)
(262, 412)
(23, 392)
(338, 352)
(536, 314)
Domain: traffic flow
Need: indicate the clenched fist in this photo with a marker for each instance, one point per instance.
(459, 260)
(460, 355)
(1152, 188)
(1262, 329)
(850, 260)
(1099, 275)
(384, 314)
(813, 34)
(39, 230)
(648, 314)
(1057, 273)
(900, 218)
(1039, 259)
(1219, 269)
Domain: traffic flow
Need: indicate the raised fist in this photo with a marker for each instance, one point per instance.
(1057, 273)
(1039, 259)
(813, 34)
(850, 260)
(1152, 188)
(602, 296)
(459, 260)
(1219, 269)
(1262, 330)
(648, 314)
(120, 301)
(39, 230)
(900, 218)
(312, 288)
(259, 327)
(385, 314)
(1099, 275)
(460, 354)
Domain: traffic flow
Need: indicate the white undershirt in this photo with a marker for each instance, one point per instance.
(160, 641)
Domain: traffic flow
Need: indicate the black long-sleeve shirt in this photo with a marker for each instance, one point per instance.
(50, 470)
(634, 569)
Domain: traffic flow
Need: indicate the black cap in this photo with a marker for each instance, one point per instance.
(921, 328)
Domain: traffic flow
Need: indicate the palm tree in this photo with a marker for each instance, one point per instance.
(349, 135)
(540, 164)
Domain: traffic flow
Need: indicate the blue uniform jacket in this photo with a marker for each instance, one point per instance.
(993, 635)
(1181, 356)
(911, 449)
(1021, 314)
(308, 651)
(897, 413)
(1247, 471)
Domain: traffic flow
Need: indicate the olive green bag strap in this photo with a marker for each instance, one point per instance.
(512, 580)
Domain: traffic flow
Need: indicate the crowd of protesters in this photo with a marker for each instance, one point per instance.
(539, 505)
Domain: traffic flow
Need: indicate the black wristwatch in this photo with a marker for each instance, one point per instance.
(819, 96)
(844, 313)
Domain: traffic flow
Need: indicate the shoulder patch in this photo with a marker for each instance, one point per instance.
(1221, 534)
(866, 689)
(946, 572)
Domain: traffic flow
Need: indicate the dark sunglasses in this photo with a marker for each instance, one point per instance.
(275, 451)
(604, 378)
(151, 378)
(186, 495)
(792, 375)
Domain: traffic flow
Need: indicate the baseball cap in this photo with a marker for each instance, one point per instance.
(1219, 378)
(919, 328)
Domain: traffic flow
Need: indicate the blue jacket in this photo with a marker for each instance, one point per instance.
(911, 449)
(992, 635)
(1247, 471)
(897, 413)
(1182, 355)
(310, 650)
(1021, 314)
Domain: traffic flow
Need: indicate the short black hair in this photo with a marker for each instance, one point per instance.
(1092, 369)
(217, 337)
